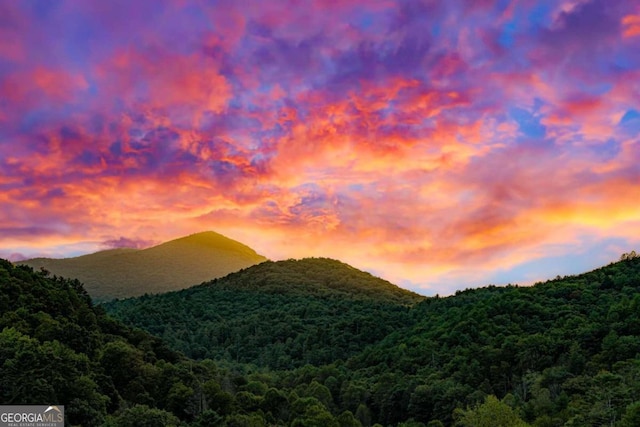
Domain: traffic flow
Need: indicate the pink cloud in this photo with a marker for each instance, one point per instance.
(379, 133)
(631, 25)
(125, 242)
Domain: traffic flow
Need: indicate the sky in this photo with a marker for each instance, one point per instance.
(441, 145)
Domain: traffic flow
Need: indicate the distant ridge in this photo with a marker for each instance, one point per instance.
(174, 265)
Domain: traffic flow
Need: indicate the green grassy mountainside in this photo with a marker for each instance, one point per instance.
(561, 353)
(173, 265)
(278, 314)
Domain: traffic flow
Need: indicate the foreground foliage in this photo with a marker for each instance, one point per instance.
(562, 353)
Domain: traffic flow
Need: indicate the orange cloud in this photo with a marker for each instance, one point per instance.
(378, 133)
(631, 24)
(170, 81)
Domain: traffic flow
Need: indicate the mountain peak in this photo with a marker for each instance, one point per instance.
(173, 265)
(316, 276)
(204, 236)
(211, 239)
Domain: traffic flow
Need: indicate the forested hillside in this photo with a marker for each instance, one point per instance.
(56, 347)
(564, 352)
(561, 353)
(280, 315)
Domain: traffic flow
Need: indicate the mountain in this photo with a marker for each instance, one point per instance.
(278, 314)
(57, 347)
(565, 352)
(173, 265)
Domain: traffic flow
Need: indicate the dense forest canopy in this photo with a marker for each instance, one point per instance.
(280, 315)
(330, 346)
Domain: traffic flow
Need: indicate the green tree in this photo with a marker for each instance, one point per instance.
(363, 414)
(209, 418)
(315, 416)
(181, 402)
(123, 362)
(346, 419)
(631, 417)
(88, 407)
(411, 423)
(352, 395)
(492, 413)
(320, 392)
(276, 403)
(246, 420)
(144, 416)
(217, 399)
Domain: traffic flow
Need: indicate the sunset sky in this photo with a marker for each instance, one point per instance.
(438, 144)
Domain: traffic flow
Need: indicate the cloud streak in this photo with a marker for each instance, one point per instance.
(433, 143)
